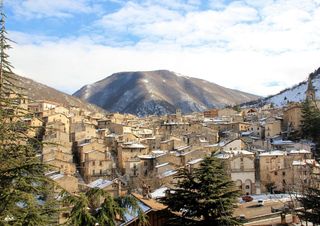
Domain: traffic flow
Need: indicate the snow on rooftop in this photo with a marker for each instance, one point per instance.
(183, 153)
(158, 152)
(195, 161)
(306, 162)
(159, 193)
(238, 152)
(247, 133)
(222, 156)
(181, 148)
(168, 173)
(84, 144)
(135, 145)
(100, 183)
(203, 140)
(231, 153)
(298, 163)
(273, 153)
(146, 156)
(111, 135)
(212, 145)
(162, 165)
(302, 151)
(282, 142)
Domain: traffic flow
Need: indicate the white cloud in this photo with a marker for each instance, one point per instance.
(74, 63)
(244, 44)
(239, 26)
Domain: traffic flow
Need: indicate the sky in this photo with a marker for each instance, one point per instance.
(257, 46)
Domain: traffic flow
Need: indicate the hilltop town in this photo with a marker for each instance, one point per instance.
(122, 153)
(159, 113)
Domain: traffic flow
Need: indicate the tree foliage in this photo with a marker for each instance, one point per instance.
(96, 206)
(205, 196)
(310, 201)
(310, 123)
(24, 195)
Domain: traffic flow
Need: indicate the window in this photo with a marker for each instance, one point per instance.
(93, 172)
(276, 173)
(241, 159)
(65, 215)
(93, 163)
(100, 163)
(100, 171)
(283, 173)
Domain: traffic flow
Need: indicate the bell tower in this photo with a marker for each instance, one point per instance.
(310, 93)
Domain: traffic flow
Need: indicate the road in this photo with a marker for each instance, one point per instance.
(250, 209)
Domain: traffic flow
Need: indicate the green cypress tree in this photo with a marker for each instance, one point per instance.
(24, 189)
(310, 123)
(205, 196)
(309, 120)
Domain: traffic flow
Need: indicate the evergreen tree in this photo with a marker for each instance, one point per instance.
(24, 194)
(310, 120)
(310, 123)
(311, 206)
(96, 206)
(205, 196)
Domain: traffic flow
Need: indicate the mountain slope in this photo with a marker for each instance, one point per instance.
(38, 91)
(296, 93)
(158, 92)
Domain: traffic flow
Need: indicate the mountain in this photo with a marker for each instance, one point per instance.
(38, 91)
(296, 93)
(158, 92)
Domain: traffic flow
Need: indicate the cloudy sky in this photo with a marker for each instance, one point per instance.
(257, 46)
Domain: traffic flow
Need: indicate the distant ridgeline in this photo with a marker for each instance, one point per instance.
(297, 93)
(158, 93)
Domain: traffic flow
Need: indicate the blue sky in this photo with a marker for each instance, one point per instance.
(258, 46)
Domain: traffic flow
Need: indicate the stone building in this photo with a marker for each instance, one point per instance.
(241, 167)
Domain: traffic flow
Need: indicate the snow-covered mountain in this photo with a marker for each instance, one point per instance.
(158, 92)
(296, 93)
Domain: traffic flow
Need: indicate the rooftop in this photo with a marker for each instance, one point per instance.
(273, 153)
(100, 183)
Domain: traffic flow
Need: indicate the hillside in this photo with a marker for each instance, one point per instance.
(158, 92)
(38, 91)
(296, 93)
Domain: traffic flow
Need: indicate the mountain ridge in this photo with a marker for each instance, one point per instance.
(38, 91)
(158, 92)
(296, 93)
